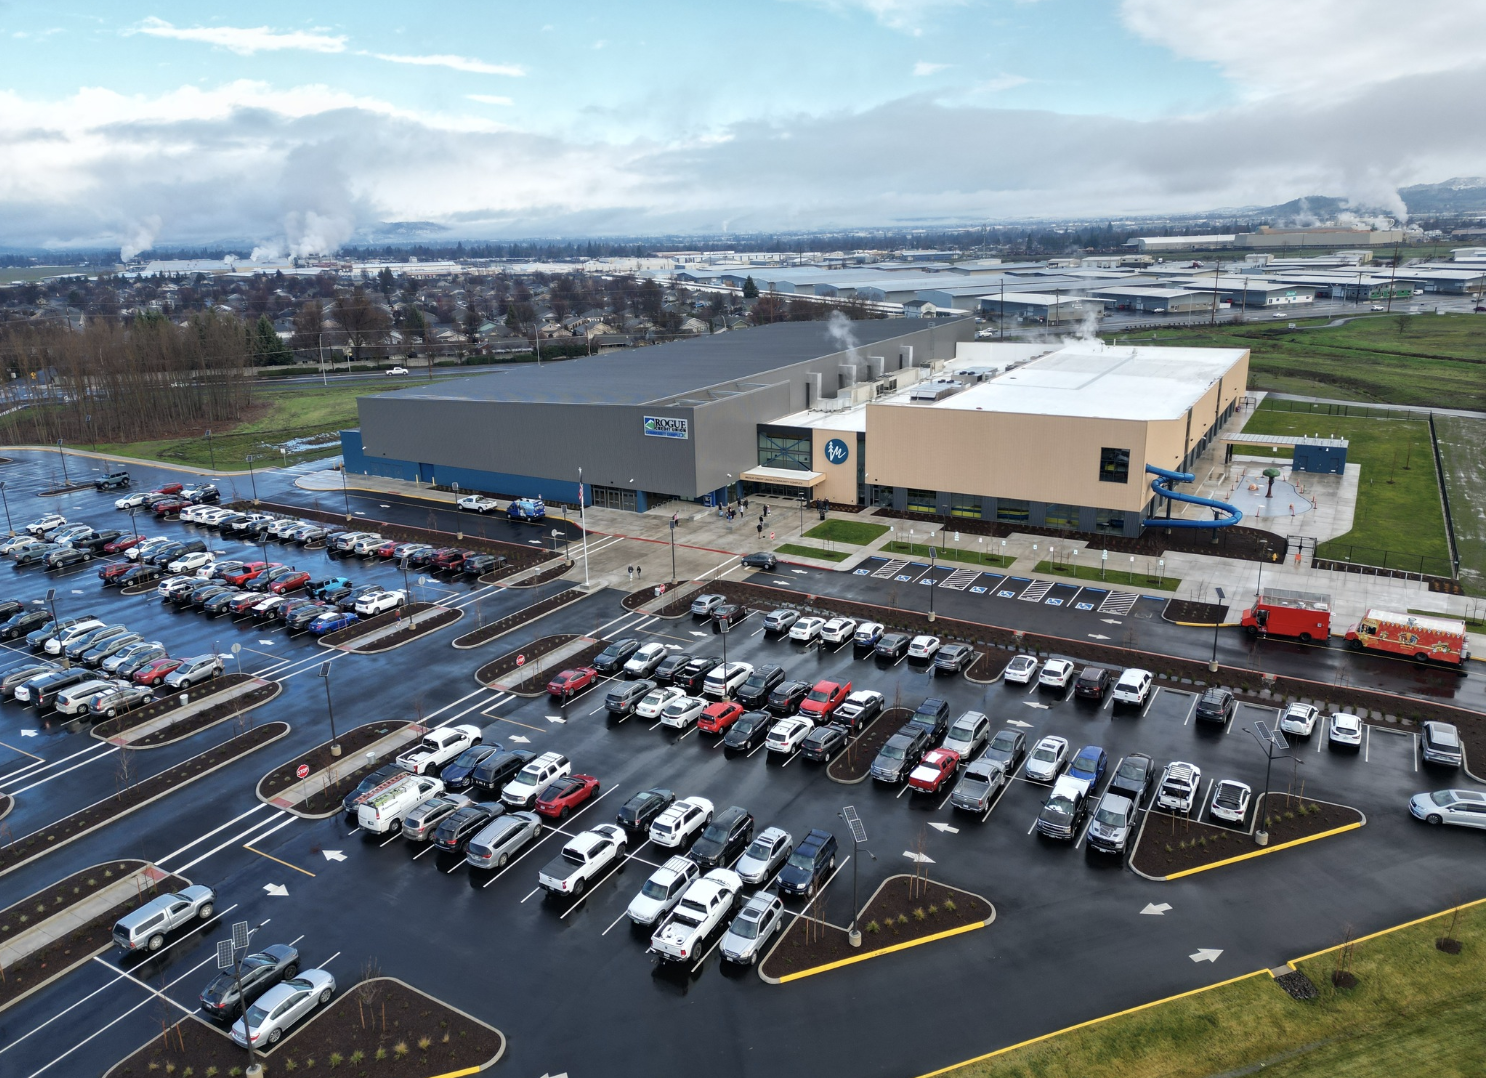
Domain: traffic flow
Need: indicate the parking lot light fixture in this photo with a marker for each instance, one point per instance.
(252, 478)
(3, 497)
(1217, 623)
(51, 598)
(335, 745)
(932, 585)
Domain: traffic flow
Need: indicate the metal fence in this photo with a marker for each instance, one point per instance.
(1363, 559)
(1346, 411)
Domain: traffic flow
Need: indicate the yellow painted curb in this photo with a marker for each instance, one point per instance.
(1384, 932)
(1091, 1022)
(1208, 624)
(880, 951)
(1262, 851)
(458, 1074)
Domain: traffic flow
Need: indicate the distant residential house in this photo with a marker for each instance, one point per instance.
(693, 325)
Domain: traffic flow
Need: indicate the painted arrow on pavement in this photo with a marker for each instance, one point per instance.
(1112, 621)
(695, 633)
(554, 718)
(333, 855)
(1019, 722)
(1034, 703)
(946, 828)
(276, 890)
(921, 858)
(1097, 636)
(1155, 909)
(1205, 954)
(801, 572)
(519, 739)
(28, 733)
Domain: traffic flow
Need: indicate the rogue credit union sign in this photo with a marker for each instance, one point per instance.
(659, 426)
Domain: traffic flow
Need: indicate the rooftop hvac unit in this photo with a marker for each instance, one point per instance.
(935, 390)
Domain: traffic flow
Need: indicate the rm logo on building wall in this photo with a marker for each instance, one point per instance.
(836, 451)
(665, 427)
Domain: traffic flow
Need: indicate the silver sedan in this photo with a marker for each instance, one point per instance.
(280, 1008)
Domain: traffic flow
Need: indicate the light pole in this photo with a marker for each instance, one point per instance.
(253, 479)
(1269, 740)
(335, 745)
(858, 837)
(211, 448)
(51, 598)
(673, 546)
(3, 497)
(65, 481)
(932, 585)
(229, 957)
(1217, 623)
(345, 491)
(1259, 584)
(583, 524)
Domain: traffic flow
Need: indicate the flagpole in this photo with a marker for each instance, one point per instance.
(583, 523)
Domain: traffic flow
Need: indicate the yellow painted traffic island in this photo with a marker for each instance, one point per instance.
(1171, 848)
(905, 911)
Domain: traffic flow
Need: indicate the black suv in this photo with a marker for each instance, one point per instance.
(932, 717)
(786, 697)
(493, 772)
(625, 695)
(727, 836)
(1093, 683)
(754, 693)
(1216, 705)
(612, 659)
(640, 811)
(809, 865)
(671, 664)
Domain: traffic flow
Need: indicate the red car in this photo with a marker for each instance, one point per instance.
(936, 768)
(122, 543)
(386, 549)
(169, 506)
(572, 682)
(825, 698)
(110, 574)
(719, 716)
(153, 673)
(564, 795)
(248, 572)
(451, 560)
(168, 488)
(289, 582)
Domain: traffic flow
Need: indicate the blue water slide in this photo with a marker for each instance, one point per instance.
(1235, 514)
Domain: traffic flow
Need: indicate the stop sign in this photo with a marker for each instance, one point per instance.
(302, 770)
(520, 660)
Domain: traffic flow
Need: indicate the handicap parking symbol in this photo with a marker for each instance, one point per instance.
(977, 591)
(1055, 602)
(927, 581)
(860, 572)
(1009, 594)
(1083, 606)
(903, 576)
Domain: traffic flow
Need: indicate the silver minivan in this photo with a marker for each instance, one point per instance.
(146, 927)
(499, 840)
(969, 734)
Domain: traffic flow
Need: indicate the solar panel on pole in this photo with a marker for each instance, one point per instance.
(853, 821)
(224, 955)
(240, 935)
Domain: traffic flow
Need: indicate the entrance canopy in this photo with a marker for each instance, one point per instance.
(784, 477)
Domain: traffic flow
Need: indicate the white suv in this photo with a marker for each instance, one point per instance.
(1179, 784)
(681, 821)
(1134, 687)
(1056, 674)
(521, 792)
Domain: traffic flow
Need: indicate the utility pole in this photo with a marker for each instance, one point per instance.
(65, 481)
(323, 379)
(1392, 276)
(932, 585)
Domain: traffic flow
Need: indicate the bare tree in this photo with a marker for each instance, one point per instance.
(364, 319)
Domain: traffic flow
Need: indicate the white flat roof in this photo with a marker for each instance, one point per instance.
(1089, 381)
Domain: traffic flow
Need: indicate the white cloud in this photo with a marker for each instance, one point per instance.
(245, 40)
(490, 99)
(457, 63)
(923, 68)
(1336, 47)
(905, 16)
(1003, 81)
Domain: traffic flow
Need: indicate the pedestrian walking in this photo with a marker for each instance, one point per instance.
(761, 527)
(631, 570)
(766, 510)
(638, 570)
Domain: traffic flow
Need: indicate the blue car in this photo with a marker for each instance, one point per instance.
(1089, 765)
(329, 623)
(529, 509)
(333, 590)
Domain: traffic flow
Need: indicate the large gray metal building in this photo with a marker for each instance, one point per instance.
(679, 420)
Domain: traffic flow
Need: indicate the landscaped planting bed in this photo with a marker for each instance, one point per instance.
(1247, 684)
(1171, 845)
(536, 684)
(193, 723)
(550, 573)
(638, 598)
(135, 795)
(542, 607)
(351, 633)
(499, 668)
(319, 757)
(444, 615)
(853, 764)
(904, 909)
(82, 942)
(379, 1027)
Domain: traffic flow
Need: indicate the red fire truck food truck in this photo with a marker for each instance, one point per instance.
(1296, 614)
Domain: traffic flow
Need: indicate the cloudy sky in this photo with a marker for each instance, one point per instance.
(293, 125)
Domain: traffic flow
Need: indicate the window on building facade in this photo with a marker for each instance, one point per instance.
(1110, 520)
(779, 450)
(965, 505)
(1060, 516)
(1114, 465)
(923, 501)
(1018, 512)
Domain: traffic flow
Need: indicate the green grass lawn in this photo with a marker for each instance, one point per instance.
(1415, 1011)
(853, 532)
(1463, 454)
(287, 413)
(1137, 579)
(1437, 360)
(1398, 502)
(800, 550)
(974, 557)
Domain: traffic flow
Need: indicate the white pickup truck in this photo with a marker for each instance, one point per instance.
(704, 906)
(583, 858)
(386, 811)
(438, 747)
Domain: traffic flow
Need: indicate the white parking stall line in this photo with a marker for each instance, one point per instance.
(239, 837)
(533, 891)
(1366, 741)
(1191, 708)
(65, 771)
(1202, 806)
(389, 839)
(157, 993)
(1108, 704)
(593, 888)
(427, 845)
(221, 827)
(614, 922)
(30, 770)
(1416, 752)
(904, 790)
(760, 745)
(1150, 700)
(1034, 825)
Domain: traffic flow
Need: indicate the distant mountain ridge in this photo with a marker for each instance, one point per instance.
(1463, 194)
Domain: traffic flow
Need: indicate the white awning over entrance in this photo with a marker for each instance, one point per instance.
(788, 477)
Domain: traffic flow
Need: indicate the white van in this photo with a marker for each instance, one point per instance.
(75, 698)
(386, 810)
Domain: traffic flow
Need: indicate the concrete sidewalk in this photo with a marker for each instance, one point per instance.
(170, 718)
(361, 642)
(384, 749)
(73, 917)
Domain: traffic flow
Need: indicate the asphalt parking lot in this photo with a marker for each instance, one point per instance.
(570, 983)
